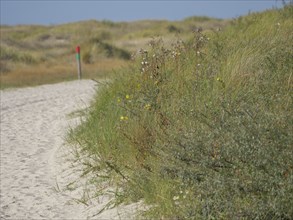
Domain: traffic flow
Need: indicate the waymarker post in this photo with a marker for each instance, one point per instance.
(78, 62)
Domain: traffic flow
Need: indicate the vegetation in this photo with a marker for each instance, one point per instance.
(33, 55)
(201, 128)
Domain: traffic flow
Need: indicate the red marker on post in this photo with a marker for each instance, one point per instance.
(78, 61)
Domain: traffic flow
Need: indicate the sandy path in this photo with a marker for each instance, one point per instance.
(33, 124)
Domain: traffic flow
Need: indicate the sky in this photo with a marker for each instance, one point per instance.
(53, 12)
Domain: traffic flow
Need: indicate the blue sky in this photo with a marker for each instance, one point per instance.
(47, 12)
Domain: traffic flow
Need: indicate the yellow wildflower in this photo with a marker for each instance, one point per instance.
(147, 107)
(220, 80)
(123, 118)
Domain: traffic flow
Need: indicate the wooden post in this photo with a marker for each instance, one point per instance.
(78, 62)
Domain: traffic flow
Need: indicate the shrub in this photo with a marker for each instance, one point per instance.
(172, 28)
(7, 54)
(101, 48)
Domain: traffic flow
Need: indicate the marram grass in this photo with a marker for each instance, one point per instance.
(201, 129)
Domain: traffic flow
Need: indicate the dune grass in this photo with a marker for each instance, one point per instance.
(34, 55)
(201, 129)
(27, 75)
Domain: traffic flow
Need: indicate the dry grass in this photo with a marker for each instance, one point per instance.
(27, 75)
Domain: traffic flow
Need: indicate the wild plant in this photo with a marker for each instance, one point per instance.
(202, 129)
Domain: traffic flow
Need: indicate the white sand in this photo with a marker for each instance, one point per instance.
(34, 171)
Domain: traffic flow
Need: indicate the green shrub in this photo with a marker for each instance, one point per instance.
(104, 49)
(7, 54)
(87, 57)
(172, 28)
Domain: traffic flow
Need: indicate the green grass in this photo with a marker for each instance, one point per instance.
(201, 129)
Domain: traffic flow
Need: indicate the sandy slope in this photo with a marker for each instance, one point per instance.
(33, 124)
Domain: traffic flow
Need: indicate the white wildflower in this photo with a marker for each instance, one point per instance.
(175, 198)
